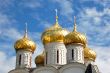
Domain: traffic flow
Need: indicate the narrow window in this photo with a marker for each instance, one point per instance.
(20, 60)
(57, 56)
(46, 57)
(30, 60)
(72, 54)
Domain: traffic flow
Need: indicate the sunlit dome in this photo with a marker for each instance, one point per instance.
(54, 34)
(39, 60)
(89, 54)
(25, 44)
(75, 37)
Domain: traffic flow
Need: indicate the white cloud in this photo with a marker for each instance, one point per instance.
(97, 27)
(104, 3)
(93, 12)
(7, 24)
(103, 58)
(66, 8)
(46, 24)
(95, 24)
(6, 63)
(4, 4)
(11, 34)
(6, 20)
(30, 4)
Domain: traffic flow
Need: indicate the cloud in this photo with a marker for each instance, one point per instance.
(96, 25)
(30, 4)
(65, 8)
(6, 63)
(11, 33)
(6, 20)
(45, 24)
(104, 3)
(5, 4)
(91, 21)
(103, 58)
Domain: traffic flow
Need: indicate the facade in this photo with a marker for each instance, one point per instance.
(64, 52)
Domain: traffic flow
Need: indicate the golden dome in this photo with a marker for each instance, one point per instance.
(39, 60)
(25, 44)
(89, 54)
(75, 37)
(86, 53)
(93, 55)
(54, 34)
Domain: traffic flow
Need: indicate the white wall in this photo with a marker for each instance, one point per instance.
(47, 69)
(26, 57)
(78, 53)
(51, 50)
(19, 71)
(73, 68)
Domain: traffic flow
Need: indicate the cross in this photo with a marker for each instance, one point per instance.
(56, 11)
(25, 36)
(26, 27)
(75, 19)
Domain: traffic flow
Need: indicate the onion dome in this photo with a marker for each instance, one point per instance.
(54, 34)
(39, 60)
(86, 53)
(75, 37)
(93, 55)
(25, 43)
(89, 54)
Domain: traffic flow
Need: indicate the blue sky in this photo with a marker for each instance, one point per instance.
(93, 19)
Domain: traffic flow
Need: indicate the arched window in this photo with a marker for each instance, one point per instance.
(20, 60)
(57, 56)
(46, 57)
(72, 54)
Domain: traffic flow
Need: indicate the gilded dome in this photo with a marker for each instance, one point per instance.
(86, 53)
(89, 54)
(25, 44)
(75, 37)
(93, 55)
(54, 34)
(39, 60)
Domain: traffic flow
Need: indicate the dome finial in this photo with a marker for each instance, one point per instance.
(56, 16)
(75, 27)
(25, 36)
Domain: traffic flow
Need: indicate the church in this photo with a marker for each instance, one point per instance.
(64, 52)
